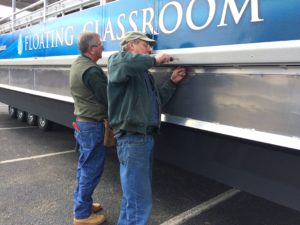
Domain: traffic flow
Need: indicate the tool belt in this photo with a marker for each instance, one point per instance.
(109, 138)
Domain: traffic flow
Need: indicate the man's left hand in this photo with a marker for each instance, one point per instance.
(178, 74)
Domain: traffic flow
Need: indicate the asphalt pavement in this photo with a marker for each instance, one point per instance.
(37, 180)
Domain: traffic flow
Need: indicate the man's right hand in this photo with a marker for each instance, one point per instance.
(163, 58)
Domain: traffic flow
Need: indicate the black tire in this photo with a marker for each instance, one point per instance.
(12, 112)
(31, 119)
(44, 124)
(21, 115)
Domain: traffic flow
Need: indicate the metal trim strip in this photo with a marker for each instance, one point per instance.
(244, 133)
(281, 52)
(38, 93)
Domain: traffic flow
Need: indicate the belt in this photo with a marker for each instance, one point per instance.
(85, 119)
(151, 130)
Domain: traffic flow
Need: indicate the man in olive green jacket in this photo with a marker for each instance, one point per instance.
(134, 112)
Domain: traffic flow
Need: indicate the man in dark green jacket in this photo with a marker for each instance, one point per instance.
(134, 112)
(88, 85)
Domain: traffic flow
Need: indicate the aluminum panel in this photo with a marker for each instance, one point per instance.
(22, 77)
(4, 75)
(236, 97)
(52, 81)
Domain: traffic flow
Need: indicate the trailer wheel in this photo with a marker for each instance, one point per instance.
(31, 119)
(44, 124)
(12, 112)
(21, 115)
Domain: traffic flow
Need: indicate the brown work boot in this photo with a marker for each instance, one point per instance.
(96, 207)
(93, 219)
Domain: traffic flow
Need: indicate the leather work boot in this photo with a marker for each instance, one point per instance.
(96, 207)
(93, 219)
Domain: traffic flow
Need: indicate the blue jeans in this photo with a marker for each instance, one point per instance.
(135, 153)
(90, 166)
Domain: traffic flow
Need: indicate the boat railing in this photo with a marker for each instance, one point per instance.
(40, 12)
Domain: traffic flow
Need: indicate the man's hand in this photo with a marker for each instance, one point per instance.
(163, 58)
(178, 74)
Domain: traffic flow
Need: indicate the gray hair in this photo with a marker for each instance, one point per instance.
(124, 47)
(87, 40)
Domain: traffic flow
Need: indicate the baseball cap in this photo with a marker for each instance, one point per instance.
(134, 35)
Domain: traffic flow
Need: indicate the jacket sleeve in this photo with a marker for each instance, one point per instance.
(166, 91)
(96, 81)
(123, 65)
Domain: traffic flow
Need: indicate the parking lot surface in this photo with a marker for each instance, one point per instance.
(37, 179)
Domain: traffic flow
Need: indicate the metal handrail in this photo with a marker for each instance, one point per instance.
(23, 10)
(42, 14)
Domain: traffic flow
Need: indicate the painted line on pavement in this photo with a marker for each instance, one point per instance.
(35, 157)
(15, 128)
(197, 210)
